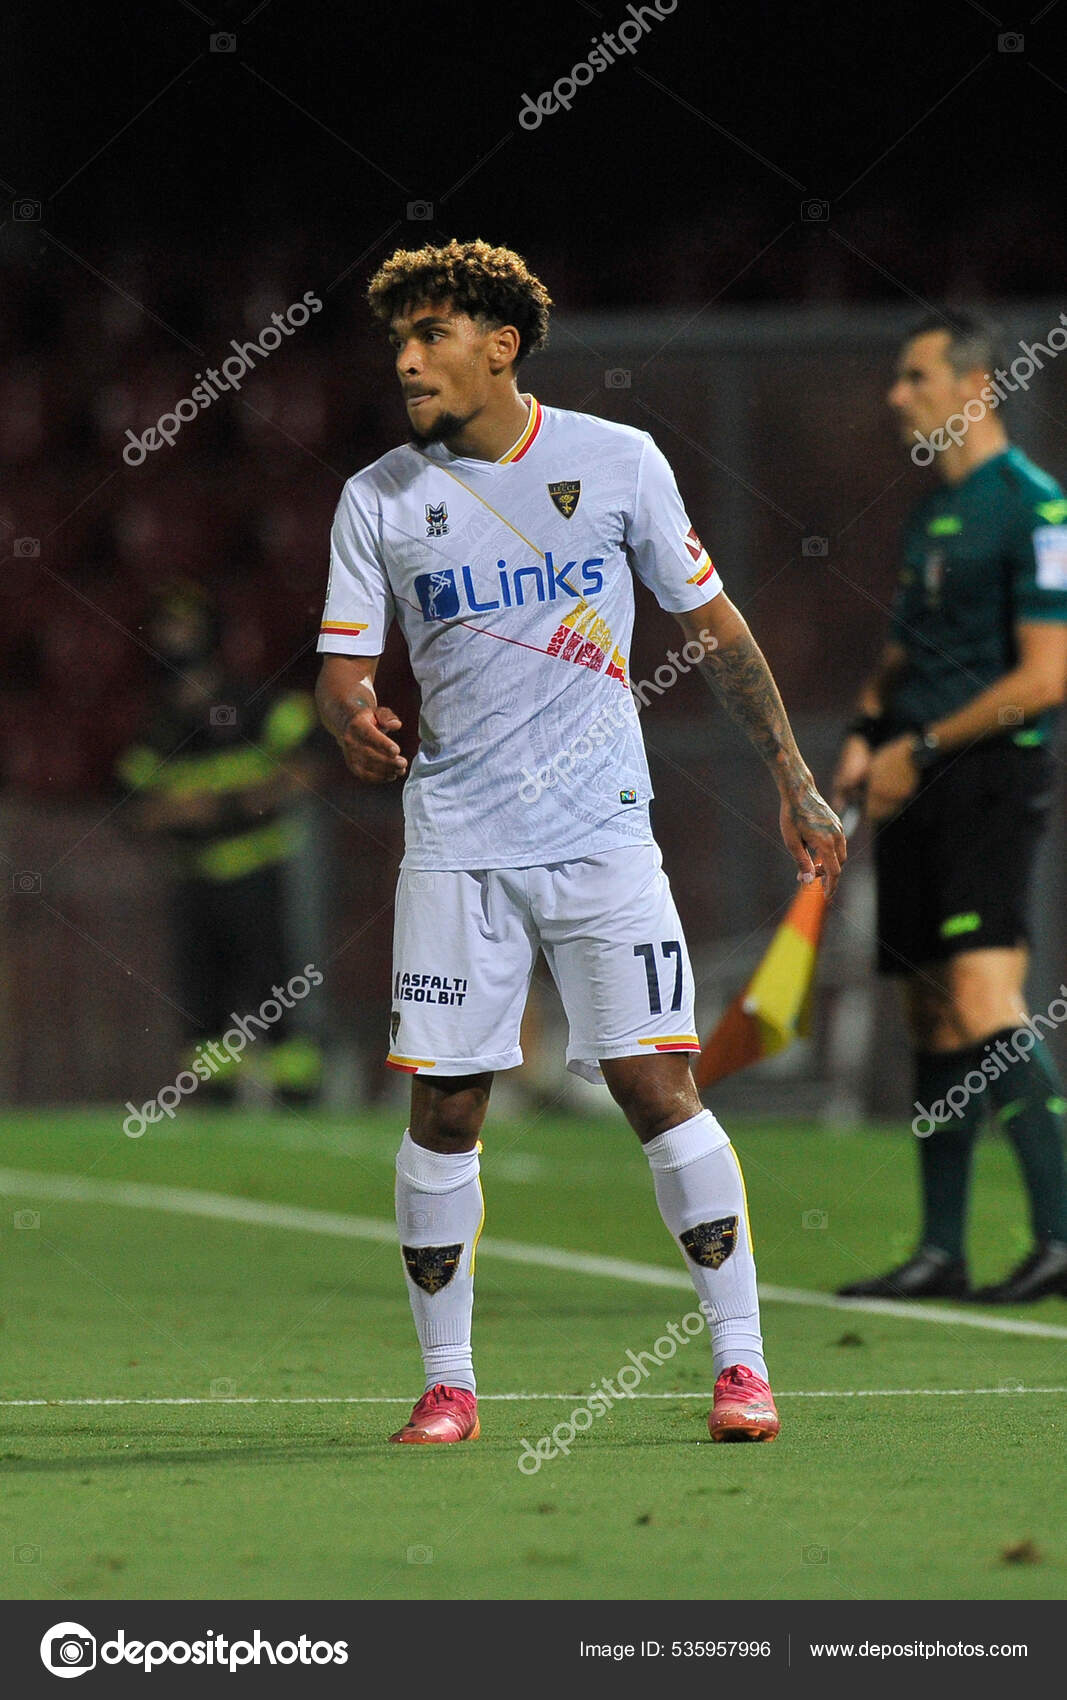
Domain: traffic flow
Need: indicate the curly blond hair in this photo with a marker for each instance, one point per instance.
(494, 284)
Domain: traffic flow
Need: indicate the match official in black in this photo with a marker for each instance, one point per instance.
(950, 751)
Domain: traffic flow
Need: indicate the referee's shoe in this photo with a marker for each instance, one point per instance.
(1042, 1273)
(930, 1274)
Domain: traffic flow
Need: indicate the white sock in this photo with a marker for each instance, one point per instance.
(439, 1215)
(701, 1196)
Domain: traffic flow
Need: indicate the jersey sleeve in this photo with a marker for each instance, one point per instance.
(1037, 551)
(664, 549)
(359, 601)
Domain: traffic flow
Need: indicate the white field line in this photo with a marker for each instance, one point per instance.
(224, 1207)
(523, 1398)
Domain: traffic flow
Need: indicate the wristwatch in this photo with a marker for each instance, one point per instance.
(925, 749)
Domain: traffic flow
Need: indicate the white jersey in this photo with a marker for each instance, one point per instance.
(511, 583)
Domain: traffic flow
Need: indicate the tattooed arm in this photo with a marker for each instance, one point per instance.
(349, 709)
(736, 671)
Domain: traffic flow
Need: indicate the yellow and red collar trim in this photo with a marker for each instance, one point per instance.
(530, 430)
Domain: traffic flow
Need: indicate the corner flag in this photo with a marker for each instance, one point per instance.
(775, 1007)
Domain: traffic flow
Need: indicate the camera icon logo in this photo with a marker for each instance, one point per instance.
(420, 211)
(1010, 715)
(223, 1387)
(223, 42)
(26, 884)
(814, 212)
(816, 1555)
(26, 1555)
(68, 1649)
(815, 1219)
(26, 211)
(26, 1220)
(223, 714)
(617, 378)
(814, 548)
(1010, 42)
(420, 1555)
(27, 548)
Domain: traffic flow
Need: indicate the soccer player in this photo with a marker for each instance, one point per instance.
(951, 748)
(502, 538)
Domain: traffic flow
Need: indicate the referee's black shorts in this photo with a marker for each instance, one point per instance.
(954, 867)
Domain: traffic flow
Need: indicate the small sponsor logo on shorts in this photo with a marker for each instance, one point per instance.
(627, 796)
(429, 988)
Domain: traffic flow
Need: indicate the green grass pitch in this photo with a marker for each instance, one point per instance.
(915, 1496)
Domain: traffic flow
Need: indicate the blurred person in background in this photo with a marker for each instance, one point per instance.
(215, 783)
(950, 749)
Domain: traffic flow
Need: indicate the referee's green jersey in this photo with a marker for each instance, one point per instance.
(978, 557)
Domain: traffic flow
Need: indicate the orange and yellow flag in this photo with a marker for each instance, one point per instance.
(775, 1007)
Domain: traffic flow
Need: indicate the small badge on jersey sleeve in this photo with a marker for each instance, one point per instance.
(436, 520)
(710, 1243)
(1050, 553)
(566, 493)
(696, 550)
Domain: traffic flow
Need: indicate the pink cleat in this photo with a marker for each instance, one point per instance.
(743, 1408)
(442, 1414)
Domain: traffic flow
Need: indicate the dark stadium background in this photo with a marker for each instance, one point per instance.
(742, 217)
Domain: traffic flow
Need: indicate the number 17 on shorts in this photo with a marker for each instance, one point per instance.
(465, 946)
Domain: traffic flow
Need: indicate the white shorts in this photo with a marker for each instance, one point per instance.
(465, 945)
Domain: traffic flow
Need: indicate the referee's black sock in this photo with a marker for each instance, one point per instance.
(1029, 1103)
(945, 1154)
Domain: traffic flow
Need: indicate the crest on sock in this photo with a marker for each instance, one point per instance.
(710, 1243)
(432, 1267)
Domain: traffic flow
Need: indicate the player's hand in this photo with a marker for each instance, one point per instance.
(370, 754)
(850, 775)
(892, 779)
(814, 838)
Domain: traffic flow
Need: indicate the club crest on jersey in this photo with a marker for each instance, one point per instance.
(432, 1267)
(710, 1243)
(436, 520)
(566, 493)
